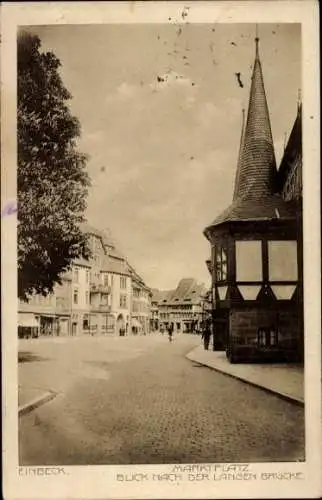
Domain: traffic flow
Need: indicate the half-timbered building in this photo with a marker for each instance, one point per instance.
(256, 262)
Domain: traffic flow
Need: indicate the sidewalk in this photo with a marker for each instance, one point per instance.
(285, 380)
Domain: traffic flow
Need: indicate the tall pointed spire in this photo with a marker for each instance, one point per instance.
(257, 190)
(299, 100)
(257, 166)
(239, 154)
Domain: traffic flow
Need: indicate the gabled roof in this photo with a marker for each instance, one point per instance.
(256, 184)
(113, 261)
(137, 279)
(293, 149)
(160, 295)
(106, 238)
(268, 208)
(187, 291)
(81, 262)
(112, 265)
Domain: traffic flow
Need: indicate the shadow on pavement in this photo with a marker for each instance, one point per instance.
(26, 357)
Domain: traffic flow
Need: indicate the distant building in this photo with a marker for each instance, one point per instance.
(141, 304)
(95, 297)
(182, 307)
(156, 299)
(256, 245)
(46, 315)
(116, 274)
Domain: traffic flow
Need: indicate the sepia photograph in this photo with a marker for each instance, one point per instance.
(160, 292)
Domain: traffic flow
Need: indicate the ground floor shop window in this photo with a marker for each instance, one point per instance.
(267, 337)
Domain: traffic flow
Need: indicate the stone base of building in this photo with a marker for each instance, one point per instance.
(250, 354)
(261, 335)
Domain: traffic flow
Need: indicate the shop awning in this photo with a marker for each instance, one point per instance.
(136, 323)
(27, 320)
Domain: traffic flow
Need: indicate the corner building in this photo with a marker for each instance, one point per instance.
(256, 250)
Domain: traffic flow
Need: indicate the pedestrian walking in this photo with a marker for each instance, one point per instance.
(170, 331)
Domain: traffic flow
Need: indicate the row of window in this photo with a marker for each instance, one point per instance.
(140, 306)
(176, 315)
(183, 307)
(282, 261)
(91, 276)
(265, 337)
(41, 300)
(76, 296)
(140, 293)
(123, 299)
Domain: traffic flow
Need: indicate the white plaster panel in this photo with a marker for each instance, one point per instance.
(283, 292)
(249, 261)
(249, 292)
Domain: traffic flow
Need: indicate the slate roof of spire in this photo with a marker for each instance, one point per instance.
(256, 186)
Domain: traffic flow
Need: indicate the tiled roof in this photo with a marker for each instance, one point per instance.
(136, 278)
(268, 208)
(256, 183)
(112, 265)
(188, 290)
(81, 262)
(257, 158)
(106, 238)
(293, 149)
(160, 295)
(114, 261)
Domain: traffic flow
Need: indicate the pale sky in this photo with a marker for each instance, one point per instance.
(163, 153)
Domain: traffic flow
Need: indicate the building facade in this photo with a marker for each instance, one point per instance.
(256, 250)
(115, 274)
(156, 300)
(49, 315)
(141, 305)
(181, 308)
(95, 298)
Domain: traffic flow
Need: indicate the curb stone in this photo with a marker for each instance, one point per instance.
(282, 395)
(33, 404)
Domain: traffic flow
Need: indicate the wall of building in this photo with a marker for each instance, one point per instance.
(80, 301)
(263, 333)
(141, 307)
(52, 312)
(121, 291)
(92, 299)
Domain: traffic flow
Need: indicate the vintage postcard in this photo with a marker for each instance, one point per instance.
(161, 266)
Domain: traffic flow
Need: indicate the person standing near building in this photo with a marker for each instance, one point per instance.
(206, 334)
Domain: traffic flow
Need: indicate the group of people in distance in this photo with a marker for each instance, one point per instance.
(206, 332)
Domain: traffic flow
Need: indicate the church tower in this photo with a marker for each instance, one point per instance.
(254, 250)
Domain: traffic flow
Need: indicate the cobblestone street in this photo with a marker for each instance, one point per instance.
(155, 406)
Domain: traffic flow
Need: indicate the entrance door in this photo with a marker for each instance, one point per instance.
(221, 329)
